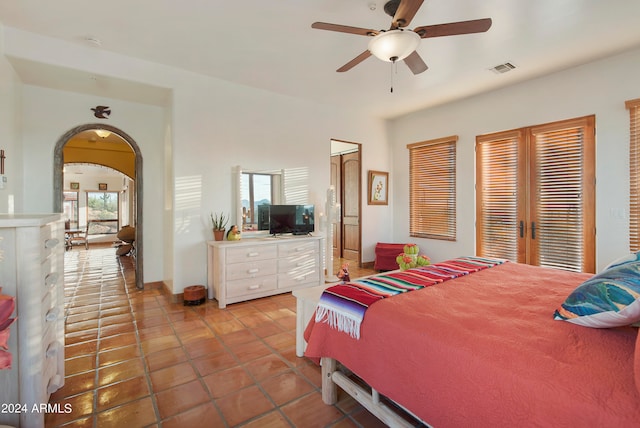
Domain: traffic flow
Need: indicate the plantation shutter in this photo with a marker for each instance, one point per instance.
(432, 189)
(562, 226)
(500, 202)
(634, 174)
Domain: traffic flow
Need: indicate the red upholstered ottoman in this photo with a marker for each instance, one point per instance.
(386, 256)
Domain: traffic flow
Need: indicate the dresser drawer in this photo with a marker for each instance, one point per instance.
(251, 269)
(304, 260)
(249, 286)
(50, 367)
(292, 249)
(46, 304)
(49, 242)
(50, 279)
(250, 254)
(48, 341)
(51, 317)
(294, 279)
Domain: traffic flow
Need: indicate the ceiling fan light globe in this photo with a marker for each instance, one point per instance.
(394, 45)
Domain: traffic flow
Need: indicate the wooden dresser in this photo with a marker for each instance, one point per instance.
(31, 269)
(259, 267)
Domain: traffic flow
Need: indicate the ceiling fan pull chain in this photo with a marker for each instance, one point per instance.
(393, 65)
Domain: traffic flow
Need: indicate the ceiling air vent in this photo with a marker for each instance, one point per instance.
(503, 68)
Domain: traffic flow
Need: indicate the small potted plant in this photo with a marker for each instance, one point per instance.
(219, 222)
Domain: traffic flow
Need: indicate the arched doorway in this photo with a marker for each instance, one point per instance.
(58, 176)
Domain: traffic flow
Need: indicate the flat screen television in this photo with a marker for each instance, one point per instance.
(295, 219)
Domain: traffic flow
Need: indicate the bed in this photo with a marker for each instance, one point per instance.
(484, 349)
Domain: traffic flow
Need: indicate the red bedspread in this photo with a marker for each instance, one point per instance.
(484, 350)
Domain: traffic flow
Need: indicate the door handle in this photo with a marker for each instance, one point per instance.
(521, 227)
(533, 230)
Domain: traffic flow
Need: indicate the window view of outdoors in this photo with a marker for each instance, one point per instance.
(70, 207)
(256, 191)
(102, 212)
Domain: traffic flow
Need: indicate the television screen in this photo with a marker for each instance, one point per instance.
(304, 219)
(296, 219)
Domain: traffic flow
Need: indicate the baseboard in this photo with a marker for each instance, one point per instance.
(368, 265)
(164, 287)
(156, 285)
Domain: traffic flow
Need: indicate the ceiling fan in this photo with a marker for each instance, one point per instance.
(398, 43)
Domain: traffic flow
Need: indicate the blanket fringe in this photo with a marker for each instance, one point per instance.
(339, 321)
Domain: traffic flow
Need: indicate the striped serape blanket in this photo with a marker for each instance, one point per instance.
(343, 306)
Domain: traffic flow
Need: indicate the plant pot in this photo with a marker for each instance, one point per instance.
(218, 235)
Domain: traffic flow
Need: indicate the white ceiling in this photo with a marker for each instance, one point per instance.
(271, 45)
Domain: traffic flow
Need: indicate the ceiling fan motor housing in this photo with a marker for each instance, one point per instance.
(391, 7)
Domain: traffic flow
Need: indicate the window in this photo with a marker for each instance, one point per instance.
(634, 174)
(256, 189)
(535, 195)
(70, 208)
(102, 212)
(432, 189)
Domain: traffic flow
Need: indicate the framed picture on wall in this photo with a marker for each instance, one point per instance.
(378, 188)
(102, 186)
(74, 186)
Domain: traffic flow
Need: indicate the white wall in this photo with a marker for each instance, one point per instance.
(220, 126)
(189, 149)
(10, 90)
(48, 114)
(599, 88)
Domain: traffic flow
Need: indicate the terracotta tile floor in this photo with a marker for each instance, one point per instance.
(135, 359)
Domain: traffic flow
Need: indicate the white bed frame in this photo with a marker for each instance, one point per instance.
(307, 300)
(332, 378)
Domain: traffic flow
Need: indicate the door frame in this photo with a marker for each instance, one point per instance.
(58, 181)
(358, 149)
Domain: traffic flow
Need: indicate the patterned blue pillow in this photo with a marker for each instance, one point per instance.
(608, 299)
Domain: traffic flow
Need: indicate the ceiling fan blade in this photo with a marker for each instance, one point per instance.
(405, 13)
(357, 60)
(415, 63)
(454, 28)
(344, 29)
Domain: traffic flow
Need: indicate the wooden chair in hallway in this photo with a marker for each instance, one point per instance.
(77, 237)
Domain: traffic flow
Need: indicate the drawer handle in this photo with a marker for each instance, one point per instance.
(51, 243)
(254, 287)
(52, 350)
(254, 270)
(253, 254)
(51, 279)
(52, 315)
(55, 384)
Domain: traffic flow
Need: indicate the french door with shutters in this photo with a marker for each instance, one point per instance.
(535, 195)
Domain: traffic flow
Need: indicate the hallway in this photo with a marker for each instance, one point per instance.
(135, 359)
